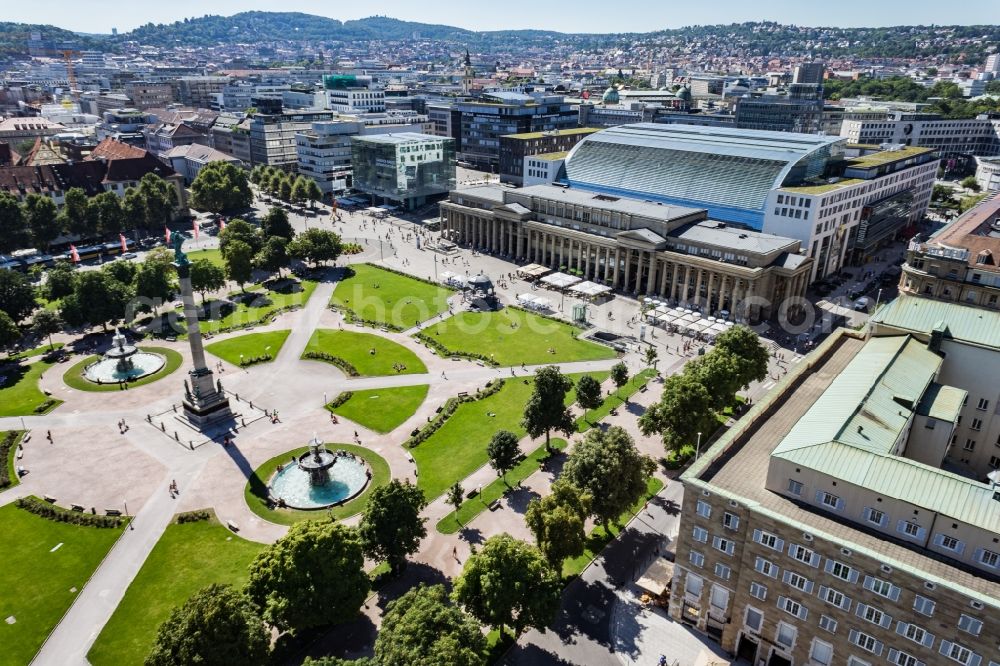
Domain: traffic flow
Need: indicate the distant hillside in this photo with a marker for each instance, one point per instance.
(14, 38)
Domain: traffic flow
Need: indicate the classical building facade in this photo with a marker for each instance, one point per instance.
(671, 252)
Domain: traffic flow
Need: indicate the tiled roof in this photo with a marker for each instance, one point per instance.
(972, 231)
(112, 150)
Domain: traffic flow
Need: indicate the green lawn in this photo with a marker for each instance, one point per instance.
(19, 392)
(37, 351)
(458, 448)
(255, 491)
(11, 461)
(38, 581)
(186, 558)
(615, 400)
(382, 410)
(74, 376)
(513, 337)
(355, 348)
(213, 255)
(471, 508)
(250, 345)
(599, 537)
(386, 297)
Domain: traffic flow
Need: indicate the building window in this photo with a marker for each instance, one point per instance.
(704, 509)
(769, 540)
(724, 545)
(903, 659)
(970, 444)
(827, 623)
(766, 567)
(923, 605)
(835, 597)
(970, 624)
(949, 543)
(803, 554)
(881, 587)
(983, 405)
(795, 487)
(693, 584)
(875, 516)
(759, 591)
(829, 500)
(977, 424)
(699, 534)
(873, 615)
(697, 558)
(854, 661)
(865, 642)
(910, 529)
(915, 634)
(959, 653)
(730, 520)
(842, 571)
(797, 581)
(784, 635)
(989, 558)
(994, 462)
(821, 653)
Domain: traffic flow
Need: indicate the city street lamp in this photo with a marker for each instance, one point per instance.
(697, 450)
(125, 504)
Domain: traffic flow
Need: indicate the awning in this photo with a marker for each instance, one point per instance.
(561, 280)
(533, 270)
(590, 289)
(657, 576)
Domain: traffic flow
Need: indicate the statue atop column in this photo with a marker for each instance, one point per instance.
(177, 239)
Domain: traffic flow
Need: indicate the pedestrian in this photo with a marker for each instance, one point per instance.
(48, 434)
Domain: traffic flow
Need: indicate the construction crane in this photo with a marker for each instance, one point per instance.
(67, 55)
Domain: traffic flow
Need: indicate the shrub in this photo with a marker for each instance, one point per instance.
(441, 350)
(351, 317)
(7, 447)
(46, 510)
(677, 458)
(193, 517)
(253, 360)
(343, 364)
(45, 406)
(340, 400)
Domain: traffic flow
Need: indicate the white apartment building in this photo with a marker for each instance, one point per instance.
(356, 100)
(324, 154)
(543, 169)
(988, 173)
(848, 219)
(969, 136)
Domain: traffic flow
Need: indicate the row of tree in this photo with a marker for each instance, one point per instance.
(280, 184)
(692, 399)
(221, 186)
(37, 221)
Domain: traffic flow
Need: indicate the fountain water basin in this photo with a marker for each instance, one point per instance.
(123, 362)
(319, 478)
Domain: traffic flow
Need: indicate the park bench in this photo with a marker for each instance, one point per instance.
(76, 507)
(494, 505)
(232, 525)
(49, 498)
(112, 512)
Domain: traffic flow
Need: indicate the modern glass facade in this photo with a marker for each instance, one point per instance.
(405, 169)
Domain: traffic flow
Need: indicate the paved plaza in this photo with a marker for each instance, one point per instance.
(91, 463)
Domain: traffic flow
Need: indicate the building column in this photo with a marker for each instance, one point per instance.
(614, 274)
(628, 267)
(651, 280)
(666, 265)
(686, 285)
(697, 287)
(722, 291)
(708, 292)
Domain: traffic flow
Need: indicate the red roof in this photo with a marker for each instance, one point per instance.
(113, 150)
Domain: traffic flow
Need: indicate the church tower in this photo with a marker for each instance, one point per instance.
(468, 75)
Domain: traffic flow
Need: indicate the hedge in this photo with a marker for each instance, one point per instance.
(351, 317)
(343, 364)
(449, 407)
(192, 517)
(46, 510)
(46, 406)
(340, 400)
(7, 448)
(441, 350)
(254, 360)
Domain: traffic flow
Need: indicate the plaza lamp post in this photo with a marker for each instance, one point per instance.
(125, 504)
(697, 450)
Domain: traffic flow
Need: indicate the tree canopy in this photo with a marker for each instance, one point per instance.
(221, 186)
(503, 452)
(217, 626)
(97, 300)
(275, 223)
(316, 246)
(9, 332)
(391, 527)
(206, 276)
(750, 355)
(17, 296)
(312, 576)
(684, 410)
(546, 409)
(238, 258)
(557, 522)
(588, 393)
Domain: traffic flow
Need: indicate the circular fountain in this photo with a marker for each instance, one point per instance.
(123, 362)
(319, 478)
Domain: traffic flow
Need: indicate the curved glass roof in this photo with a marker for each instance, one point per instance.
(725, 170)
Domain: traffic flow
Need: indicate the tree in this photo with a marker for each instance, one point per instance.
(45, 323)
(273, 256)
(122, 271)
(9, 332)
(316, 246)
(221, 186)
(59, 281)
(558, 522)
(312, 576)
(313, 193)
(509, 583)
(719, 372)
(275, 223)
(455, 497)
(80, 218)
(274, 183)
(650, 357)
(216, 626)
(503, 452)
(238, 258)
(588, 394)
(17, 297)
(243, 231)
(970, 183)
(608, 467)
(546, 409)
(619, 374)
(158, 200)
(154, 277)
(299, 190)
(13, 225)
(941, 193)
(751, 356)
(391, 527)
(684, 410)
(41, 217)
(133, 210)
(206, 276)
(285, 188)
(423, 628)
(109, 213)
(97, 298)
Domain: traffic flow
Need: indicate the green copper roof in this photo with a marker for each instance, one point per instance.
(941, 402)
(919, 315)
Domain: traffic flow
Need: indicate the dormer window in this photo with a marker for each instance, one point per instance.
(985, 257)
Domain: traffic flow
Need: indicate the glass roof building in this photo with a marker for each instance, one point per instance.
(727, 171)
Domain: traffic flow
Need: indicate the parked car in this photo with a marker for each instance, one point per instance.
(129, 255)
(861, 305)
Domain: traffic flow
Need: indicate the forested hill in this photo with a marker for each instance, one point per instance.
(14, 38)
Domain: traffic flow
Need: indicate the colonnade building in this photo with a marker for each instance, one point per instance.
(670, 252)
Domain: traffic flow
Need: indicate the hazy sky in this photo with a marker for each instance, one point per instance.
(566, 16)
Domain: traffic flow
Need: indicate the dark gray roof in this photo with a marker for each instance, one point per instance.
(710, 232)
(606, 202)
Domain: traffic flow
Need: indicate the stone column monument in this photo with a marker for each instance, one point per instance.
(205, 403)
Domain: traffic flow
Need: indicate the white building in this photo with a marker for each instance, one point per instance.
(969, 136)
(544, 169)
(988, 173)
(188, 160)
(355, 100)
(324, 154)
(848, 219)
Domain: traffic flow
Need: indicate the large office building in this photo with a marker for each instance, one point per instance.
(273, 130)
(797, 109)
(201, 92)
(487, 118)
(730, 172)
(830, 524)
(961, 262)
(515, 147)
(847, 218)
(149, 95)
(967, 136)
(324, 154)
(670, 252)
(408, 169)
